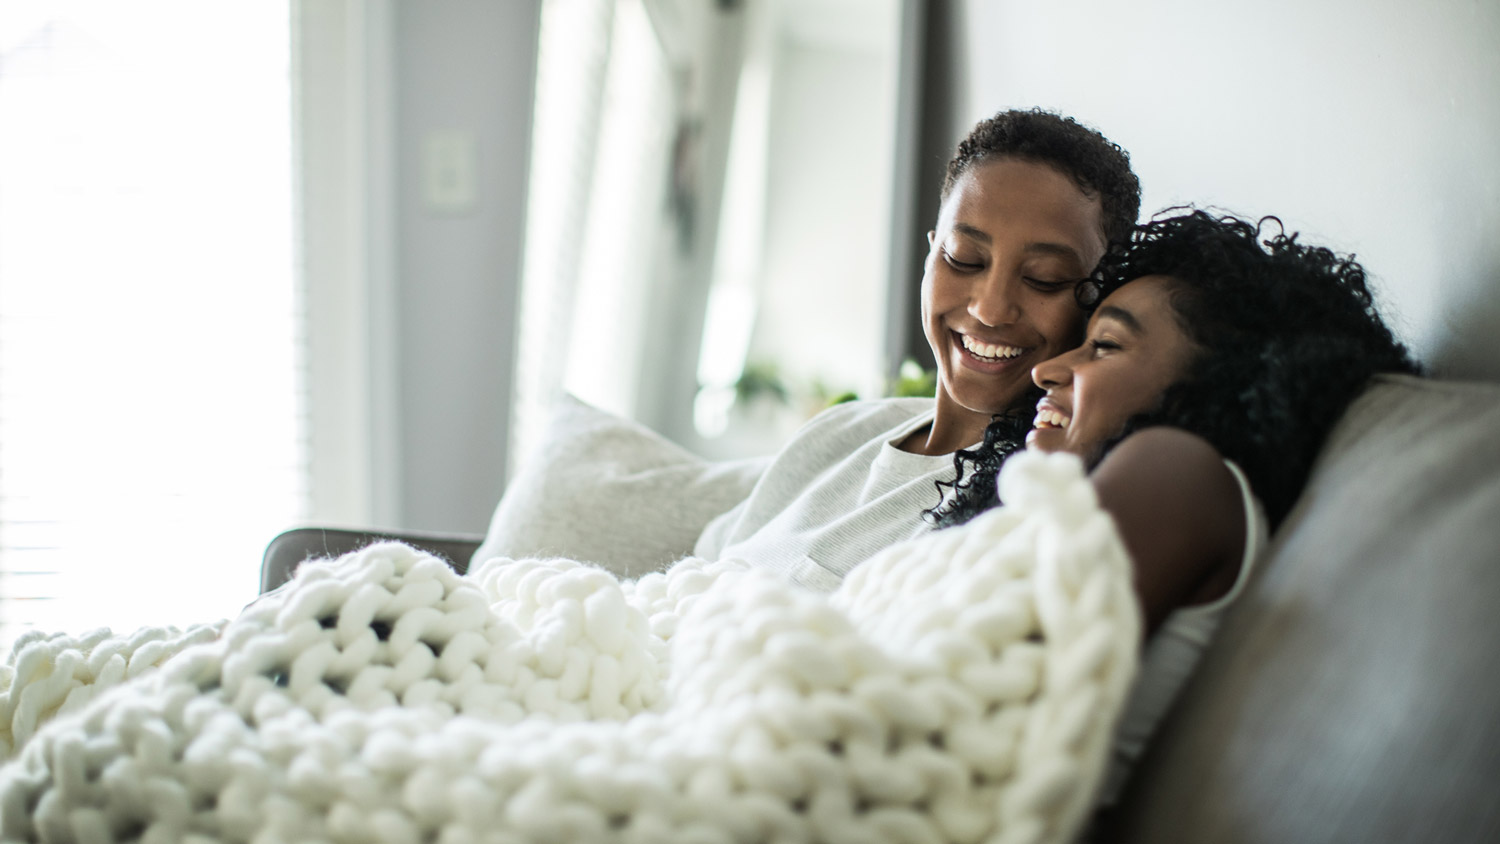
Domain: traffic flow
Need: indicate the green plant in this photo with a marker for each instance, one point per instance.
(913, 380)
(760, 378)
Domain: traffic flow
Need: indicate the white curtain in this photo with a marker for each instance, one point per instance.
(598, 218)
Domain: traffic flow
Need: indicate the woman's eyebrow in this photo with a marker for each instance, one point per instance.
(1122, 316)
(1041, 247)
(1061, 250)
(975, 233)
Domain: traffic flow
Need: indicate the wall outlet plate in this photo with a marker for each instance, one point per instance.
(450, 171)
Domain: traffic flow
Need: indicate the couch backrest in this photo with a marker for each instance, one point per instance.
(1353, 694)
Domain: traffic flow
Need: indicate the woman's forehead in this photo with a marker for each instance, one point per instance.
(1011, 197)
(1140, 303)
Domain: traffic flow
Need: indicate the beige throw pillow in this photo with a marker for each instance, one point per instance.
(605, 490)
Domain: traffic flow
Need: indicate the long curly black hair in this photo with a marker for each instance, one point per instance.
(1097, 165)
(1288, 336)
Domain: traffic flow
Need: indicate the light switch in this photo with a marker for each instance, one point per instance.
(450, 171)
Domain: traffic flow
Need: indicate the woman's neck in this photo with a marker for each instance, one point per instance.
(946, 435)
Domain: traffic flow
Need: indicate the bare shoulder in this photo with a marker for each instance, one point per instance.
(1179, 511)
(1161, 455)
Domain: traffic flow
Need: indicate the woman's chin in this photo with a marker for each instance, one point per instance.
(1045, 439)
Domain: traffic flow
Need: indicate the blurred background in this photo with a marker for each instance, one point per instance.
(276, 262)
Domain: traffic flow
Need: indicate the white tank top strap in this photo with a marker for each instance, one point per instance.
(1256, 528)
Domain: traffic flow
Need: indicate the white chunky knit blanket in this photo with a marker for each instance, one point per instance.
(960, 687)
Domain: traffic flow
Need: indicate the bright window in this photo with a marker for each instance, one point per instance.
(152, 424)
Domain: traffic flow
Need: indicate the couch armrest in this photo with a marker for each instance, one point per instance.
(290, 548)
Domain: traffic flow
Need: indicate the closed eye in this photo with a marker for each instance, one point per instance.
(1103, 346)
(960, 265)
(1050, 286)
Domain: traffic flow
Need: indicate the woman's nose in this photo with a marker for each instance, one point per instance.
(1054, 372)
(993, 300)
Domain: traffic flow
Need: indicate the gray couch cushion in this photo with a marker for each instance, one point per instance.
(1354, 692)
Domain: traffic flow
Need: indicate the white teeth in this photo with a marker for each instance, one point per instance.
(1051, 418)
(985, 350)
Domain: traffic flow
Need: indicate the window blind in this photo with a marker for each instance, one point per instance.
(152, 390)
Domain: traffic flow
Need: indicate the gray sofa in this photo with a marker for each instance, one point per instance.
(1353, 693)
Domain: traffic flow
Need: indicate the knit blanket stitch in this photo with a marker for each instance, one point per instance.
(959, 687)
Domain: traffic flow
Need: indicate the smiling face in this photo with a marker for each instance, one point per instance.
(1134, 350)
(1013, 239)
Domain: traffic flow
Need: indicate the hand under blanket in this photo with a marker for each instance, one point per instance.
(959, 687)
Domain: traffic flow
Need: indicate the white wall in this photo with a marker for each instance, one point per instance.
(464, 65)
(1372, 126)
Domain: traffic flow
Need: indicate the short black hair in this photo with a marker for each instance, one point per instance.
(1097, 165)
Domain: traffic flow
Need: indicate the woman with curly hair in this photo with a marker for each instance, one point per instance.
(1215, 363)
